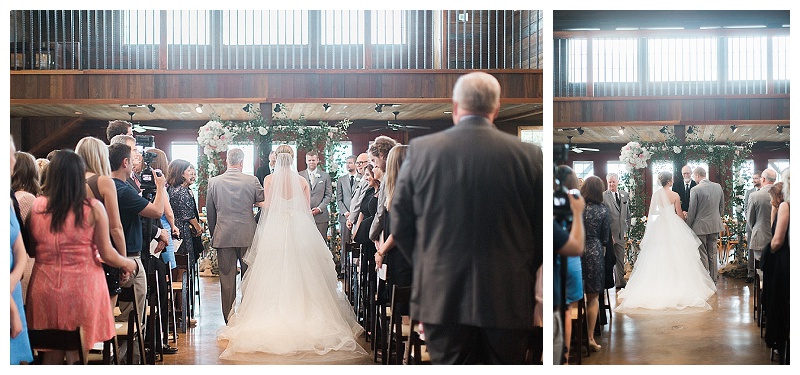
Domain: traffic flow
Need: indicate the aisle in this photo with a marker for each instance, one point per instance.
(198, 346)
(728, 335)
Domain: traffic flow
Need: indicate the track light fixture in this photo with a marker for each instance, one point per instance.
(663, 129)
(199, 108)
(277, 107)
(247, 107)
(379, 108)
(151, 108)
(734, 128)
(326, 107)
(621, 130)
(690, 129)
(779, 129)
(580, 131)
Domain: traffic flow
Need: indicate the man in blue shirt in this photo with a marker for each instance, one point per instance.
(131, 206)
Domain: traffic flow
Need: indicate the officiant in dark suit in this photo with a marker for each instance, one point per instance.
(475, 251)
(683, 188)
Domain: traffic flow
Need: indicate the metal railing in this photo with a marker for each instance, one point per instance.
(276, 39)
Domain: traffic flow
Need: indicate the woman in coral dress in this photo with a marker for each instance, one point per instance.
(68, 285)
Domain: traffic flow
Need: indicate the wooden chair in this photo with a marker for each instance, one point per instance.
(155, 328)
(182, 285)
(56, 339)
(398, 332)
(380, 321)
(416, 352)
(580, 330)
(172, 327)
(104, 353)
(132, 332)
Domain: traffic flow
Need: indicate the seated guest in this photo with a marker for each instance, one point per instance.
(68, 287)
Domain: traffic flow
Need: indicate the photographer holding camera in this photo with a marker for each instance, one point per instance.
(568, 241)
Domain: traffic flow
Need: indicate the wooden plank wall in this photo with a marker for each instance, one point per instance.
(521, 86)
(687, 109)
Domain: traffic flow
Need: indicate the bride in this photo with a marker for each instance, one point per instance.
(668, 275)
(290, 305)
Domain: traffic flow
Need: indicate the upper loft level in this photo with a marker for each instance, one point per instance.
(670, 53)
(181, 40)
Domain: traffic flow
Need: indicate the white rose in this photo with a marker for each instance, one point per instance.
(262, 130)
(676, 149)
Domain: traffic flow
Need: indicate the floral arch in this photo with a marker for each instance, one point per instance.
(217, 135)
(727, 158)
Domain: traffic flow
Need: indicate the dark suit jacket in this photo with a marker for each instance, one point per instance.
(679, 188)
(467, 214)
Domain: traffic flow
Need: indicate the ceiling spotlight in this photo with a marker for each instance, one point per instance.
(247, 107)
(326, 107)
(779, 129)
(734, 128)
(199, 108)
(379, 108)
(663, 129)
(621, 130)
(580, 131)
(690, 129)
(277, 107)
(151, 108)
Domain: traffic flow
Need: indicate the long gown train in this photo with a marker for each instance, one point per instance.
(668, 275)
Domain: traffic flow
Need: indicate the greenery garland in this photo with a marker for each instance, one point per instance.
(727, 158)
(320, 137)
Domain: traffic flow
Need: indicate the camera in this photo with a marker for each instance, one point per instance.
(561, 207)
(148, 183)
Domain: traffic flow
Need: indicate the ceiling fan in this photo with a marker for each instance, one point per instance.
(395, 126)
(139, 128)
(576, 149)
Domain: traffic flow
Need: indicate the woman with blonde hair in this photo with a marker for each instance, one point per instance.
(399, 269)
(100, 186)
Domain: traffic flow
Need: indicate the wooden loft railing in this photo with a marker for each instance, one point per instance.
(264, 40)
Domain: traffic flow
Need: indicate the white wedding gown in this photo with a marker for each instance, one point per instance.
(291, 305)
(668, 275)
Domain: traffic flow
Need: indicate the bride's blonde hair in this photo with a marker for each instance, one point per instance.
(284, 149)
(664, 178)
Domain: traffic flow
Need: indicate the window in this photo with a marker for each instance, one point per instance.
(577, 62)
(583, 169)
(617, 167)
(260, 27)
(684, 59)
(780, 57)
(249, 160)
(663, 166)
(747, 58)
(615, 60)
(187, 151)
(778, 165)
(347, 26)
(183, 27)
(532, 134)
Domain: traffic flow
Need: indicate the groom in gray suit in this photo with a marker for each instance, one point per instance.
(620, 213)
(229, 209)
(319, 182)
(706, 205)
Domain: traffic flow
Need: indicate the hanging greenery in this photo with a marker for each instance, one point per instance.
(728, 160)
(217, 135)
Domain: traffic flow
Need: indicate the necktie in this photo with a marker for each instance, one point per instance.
(351, 182)
(616, 195)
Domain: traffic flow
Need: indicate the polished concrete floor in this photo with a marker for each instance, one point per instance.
(199, 346)
(727, 335)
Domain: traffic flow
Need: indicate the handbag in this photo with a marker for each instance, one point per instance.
(362, 236)
(197, 238)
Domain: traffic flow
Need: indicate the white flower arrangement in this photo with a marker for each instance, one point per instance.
(262, 130)
(676, 149)
(214, 138)
(634, 156)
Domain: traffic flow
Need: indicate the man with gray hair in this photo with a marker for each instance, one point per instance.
(229, 208)
(620, 214)
(706, 205)
(759, 227)
(471, 226)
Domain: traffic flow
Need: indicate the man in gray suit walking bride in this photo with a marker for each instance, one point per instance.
(706, 205)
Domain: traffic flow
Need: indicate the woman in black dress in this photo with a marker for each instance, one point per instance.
(775, 265)
(597, 223)
(181, 175)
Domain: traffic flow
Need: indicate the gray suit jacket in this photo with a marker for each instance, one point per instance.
(344, 194)
(706, 205)
(229, 208)
(474, 251)
(758, 219)
(377, 223)
(746, 203)
(321, 192)
(358, 196)
(620, 215)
